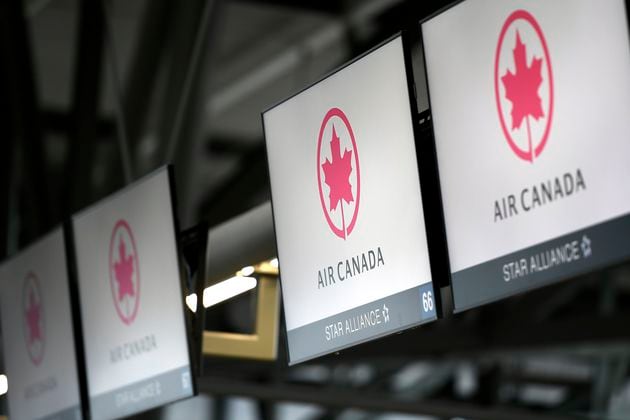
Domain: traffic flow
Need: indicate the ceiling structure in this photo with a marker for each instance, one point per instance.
(125, 88)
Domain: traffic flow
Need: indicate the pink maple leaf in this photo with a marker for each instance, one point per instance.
(337, 173)
(123, 271)
(33, 315)
(521, 88)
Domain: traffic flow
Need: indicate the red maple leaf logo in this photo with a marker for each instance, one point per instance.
(521, 88)
(123, 270)
(337, 174)
(33, 314)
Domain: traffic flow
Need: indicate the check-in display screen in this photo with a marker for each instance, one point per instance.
(354, 262)
(37, 332)
(132, 308)
(530, 104)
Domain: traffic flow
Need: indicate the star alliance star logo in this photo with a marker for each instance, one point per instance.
(385, 313)
(586, 246)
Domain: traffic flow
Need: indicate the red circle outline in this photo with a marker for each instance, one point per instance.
(336, 112)
(31, 275)
(523, 14)
(126, 320)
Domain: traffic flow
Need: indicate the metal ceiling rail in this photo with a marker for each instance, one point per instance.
(189, 78)
(23, 131)
(121, 125)
(86, 94)
(329, 35)
(336, 398)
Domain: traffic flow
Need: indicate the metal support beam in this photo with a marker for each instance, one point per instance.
(6, 163)
(59, 122)
(116, 84)
(182, 43)
(141, 83)
(345, 398)
(85, 103)
(315, 6)
(24, 123)
(152, 36)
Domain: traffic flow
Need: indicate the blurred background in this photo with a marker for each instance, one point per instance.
(96, 93)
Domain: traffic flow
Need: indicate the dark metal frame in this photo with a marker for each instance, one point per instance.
(85, 103)
(182, 278)
(196, 239)
(77, 321)
(23, 119)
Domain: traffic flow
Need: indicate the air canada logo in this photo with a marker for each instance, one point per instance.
(34, 334)
(523, 85)
(338, 173)
(124, 272)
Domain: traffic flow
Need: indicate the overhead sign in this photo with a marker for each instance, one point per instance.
(354, 263)
(530, 115)
(136, 343)
(38, 337)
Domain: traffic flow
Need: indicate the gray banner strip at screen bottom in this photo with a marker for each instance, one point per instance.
(143, 395)
(363, 323)
(598, 246)
(70, 413)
